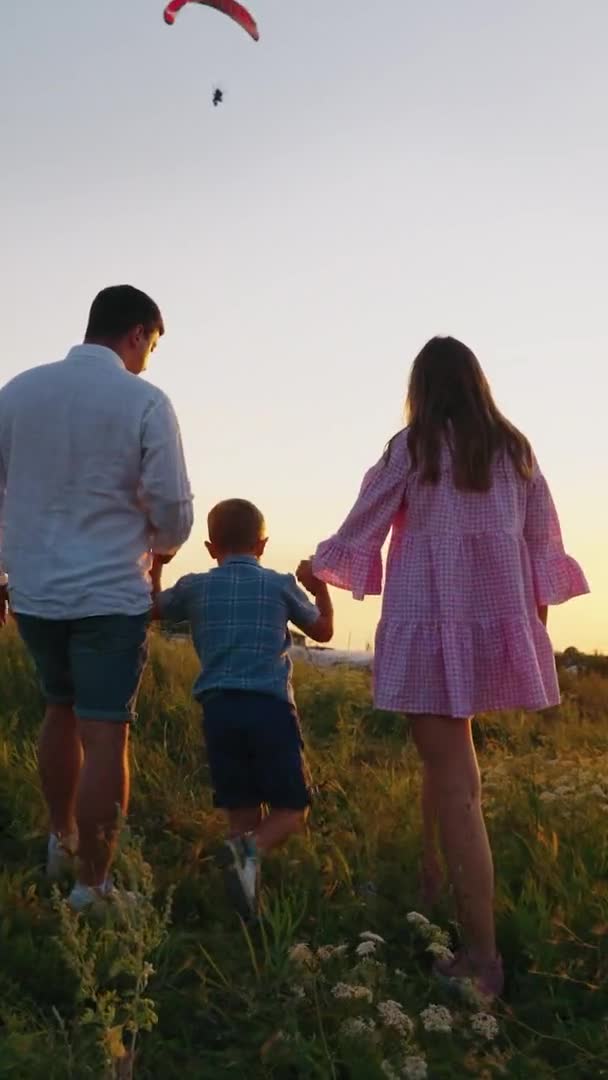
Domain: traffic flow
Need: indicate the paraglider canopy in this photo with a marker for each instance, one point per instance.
(228, 7)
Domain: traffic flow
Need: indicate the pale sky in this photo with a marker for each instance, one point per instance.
(378, 173)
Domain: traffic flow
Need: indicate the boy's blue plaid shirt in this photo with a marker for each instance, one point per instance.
(238, 614)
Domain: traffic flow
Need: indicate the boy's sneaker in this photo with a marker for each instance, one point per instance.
(240, 863)
(87, 897)
(61, 855)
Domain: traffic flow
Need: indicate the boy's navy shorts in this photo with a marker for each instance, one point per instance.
(255, 751)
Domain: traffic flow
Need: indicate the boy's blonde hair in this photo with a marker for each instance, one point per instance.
(235, 526)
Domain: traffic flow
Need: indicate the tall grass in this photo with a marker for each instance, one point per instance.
(201, 996)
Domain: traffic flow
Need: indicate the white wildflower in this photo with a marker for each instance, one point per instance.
(366, 948)
(400, 974)
(439, 951)
(416, 919)
(148, 971)
(298, 992)
(470, 992)
(438, 936)
(393, 1016)
(367, 935)
(367, 966)
(485, 1024)
(597, 790)
(428, 931)
(387, 1069)
(436, 1018)
(547, 796)
(329, 952)
(414, 1068)
(563, 790)
(357, 1028)
(346, 992)
(302, 955)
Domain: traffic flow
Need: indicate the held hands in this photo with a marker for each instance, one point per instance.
(158, 562)
(306, 578)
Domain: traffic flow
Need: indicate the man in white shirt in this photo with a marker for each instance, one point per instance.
(93, 484)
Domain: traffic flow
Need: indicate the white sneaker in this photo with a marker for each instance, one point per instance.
(240, 862)
(61, 855)
(84, 897)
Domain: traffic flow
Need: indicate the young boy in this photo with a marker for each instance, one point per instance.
(238, 614)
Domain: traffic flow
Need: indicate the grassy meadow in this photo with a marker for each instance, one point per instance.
(178, 989)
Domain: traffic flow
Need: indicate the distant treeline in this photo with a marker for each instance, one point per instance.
(577, 661)
(571, 659)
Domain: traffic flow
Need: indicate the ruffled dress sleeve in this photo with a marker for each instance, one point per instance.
(352, 558)
(557, 576)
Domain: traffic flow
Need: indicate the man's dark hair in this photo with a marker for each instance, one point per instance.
(235, 526)
(120, 308)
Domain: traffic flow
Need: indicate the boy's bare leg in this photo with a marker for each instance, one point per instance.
(277, 827)
(244, 820)
(268, 831)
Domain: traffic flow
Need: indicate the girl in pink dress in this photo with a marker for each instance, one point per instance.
(475, 557)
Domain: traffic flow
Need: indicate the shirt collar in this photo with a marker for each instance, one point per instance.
(251, 559)
(97, 354)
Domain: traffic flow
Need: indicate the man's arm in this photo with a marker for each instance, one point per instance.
(164, 486)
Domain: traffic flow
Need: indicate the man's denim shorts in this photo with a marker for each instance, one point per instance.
(255, 751)
(93, 664)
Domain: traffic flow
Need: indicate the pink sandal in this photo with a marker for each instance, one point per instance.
(461, 974)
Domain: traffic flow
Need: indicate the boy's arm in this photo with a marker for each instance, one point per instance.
(323, 629)
(320, 629)
(172, 605)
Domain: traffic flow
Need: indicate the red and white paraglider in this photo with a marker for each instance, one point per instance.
(227, 7)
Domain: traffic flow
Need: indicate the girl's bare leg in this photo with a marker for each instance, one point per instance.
(446, 748)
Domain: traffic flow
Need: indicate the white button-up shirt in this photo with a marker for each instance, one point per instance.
(92, 482)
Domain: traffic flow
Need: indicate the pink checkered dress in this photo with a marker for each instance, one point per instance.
(466, 572)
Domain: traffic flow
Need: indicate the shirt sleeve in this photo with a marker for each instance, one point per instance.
(164, 486)
(301, 611)
(557, 577)
(174, 604)
(352, 558)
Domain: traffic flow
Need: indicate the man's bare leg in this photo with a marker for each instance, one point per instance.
(103, 795)
(59, 762)
(244, 820)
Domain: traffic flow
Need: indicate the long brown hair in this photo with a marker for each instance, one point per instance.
(449, 400)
